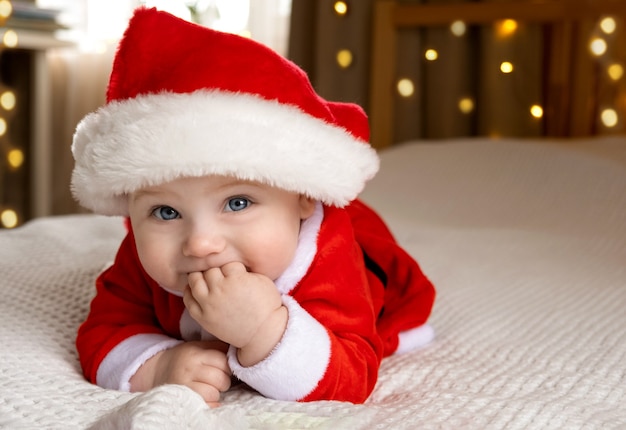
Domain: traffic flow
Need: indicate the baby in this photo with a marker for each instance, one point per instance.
(248, 254)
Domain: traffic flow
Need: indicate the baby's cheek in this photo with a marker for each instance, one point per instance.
(159, 270)
(282, 255)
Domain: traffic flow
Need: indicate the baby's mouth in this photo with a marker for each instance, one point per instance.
(248, 269)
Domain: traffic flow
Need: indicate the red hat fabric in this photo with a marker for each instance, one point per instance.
(185, 100)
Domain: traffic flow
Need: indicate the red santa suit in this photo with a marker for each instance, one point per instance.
(187, 101)
(343, 316)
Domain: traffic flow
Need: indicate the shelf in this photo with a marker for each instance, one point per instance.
(35, 40)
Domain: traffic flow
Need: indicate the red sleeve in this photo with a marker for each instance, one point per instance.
(409, 294)
(336, 293)
(124, 306)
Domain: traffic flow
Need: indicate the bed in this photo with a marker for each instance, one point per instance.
(525, 240)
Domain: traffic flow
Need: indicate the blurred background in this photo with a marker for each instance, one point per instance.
(452, 79)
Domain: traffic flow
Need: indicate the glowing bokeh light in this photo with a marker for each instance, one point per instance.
(506, 67)
(5, 9)
(15, 157)
(344, 58)
(536, 111)
(598, 46)
(466, 105)
(458, 28)
(405, 87)
(506, 27)
(609, 118)
(9, 218)
(431, 54)
(608, 25)
(615, 71)
(10, 39)
(341, 8)
(7, 100)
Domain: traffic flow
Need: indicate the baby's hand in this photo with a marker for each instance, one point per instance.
(231, 303)
(201, 366)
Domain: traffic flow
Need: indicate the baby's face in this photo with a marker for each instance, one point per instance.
(194, 224)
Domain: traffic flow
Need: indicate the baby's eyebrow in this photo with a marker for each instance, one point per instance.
(139, 194)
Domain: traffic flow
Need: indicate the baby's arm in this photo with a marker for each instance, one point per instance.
(201, 366)
(121, 347)
(241, 308)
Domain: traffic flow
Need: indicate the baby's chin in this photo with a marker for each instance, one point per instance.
(175, 290)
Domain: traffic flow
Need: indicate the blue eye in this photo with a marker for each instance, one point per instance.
(165, 213)
(237, 204)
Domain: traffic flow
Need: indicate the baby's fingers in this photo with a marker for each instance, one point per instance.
(233, 268)
(209, 393)
(198, 287)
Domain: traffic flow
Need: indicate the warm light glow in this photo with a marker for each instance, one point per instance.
(597, 46)
(466, 105)
(9, 218)
(246, 33)
(506, 67)
(536, 111)
(7, 100)
(431, 54)
(10, 39)
(609, 118)
(344, 58)
(506, 27)
(608, 25)
(458, 28)
(405, 87)
(5, 8)
(3, 126)
(341, 8)
(15, 158)
(615, 71)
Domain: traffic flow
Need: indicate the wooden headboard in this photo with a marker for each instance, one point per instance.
(567, 73)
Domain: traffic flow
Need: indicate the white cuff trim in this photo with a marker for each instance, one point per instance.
(122, 362)
(297, 364)
(415, 338)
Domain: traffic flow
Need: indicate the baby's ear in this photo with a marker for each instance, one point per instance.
(307, 206)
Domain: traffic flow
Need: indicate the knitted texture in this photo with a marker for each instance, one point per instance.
(526, 243)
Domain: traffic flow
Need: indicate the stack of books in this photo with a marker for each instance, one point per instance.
(28, 16)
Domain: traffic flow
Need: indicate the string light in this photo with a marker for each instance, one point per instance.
(609, 118)
(458, 28)
(10, 39)
(405, 87)
(15, 158)
(615, 71)
(466, 105)
(431, 54)
(598, 46)
(536, 111)
(344, 58)
(7, 100)
(608, 25)
(341, 8)
(5, 9)
(9, 218)
(506, 28)
(506, 67)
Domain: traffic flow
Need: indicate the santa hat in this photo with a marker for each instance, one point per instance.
(185, 100)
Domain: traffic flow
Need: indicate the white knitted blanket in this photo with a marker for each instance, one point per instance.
(525, 242)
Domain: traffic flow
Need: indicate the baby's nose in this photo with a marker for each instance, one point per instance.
(202, 243)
